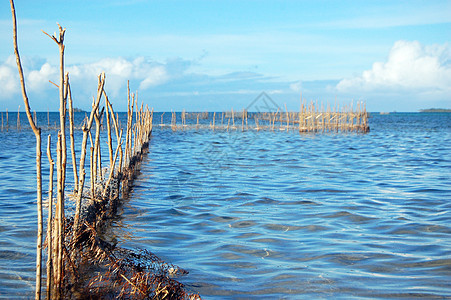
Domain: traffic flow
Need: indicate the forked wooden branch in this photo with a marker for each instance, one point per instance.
(59, 41)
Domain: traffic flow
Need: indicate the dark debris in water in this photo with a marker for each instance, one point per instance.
(96, 269)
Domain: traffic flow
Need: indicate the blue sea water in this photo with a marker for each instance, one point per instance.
(269, 214)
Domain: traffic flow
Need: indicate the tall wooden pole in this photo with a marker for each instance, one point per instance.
(37, 133)
(49, 222)
(72, 143)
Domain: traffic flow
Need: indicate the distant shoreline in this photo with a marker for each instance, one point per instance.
(436, 110)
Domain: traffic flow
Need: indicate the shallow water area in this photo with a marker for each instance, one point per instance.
(282, 214)
(270, 214)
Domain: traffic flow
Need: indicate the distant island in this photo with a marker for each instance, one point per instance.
(436, 110)
(76, 109)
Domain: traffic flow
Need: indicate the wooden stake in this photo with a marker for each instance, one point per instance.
(108, 126)
(113, 165)
(72, 143)
(37, 132)
(59, 216)
(233, 119)
(63, 91)
(97, 156)
(49, 222)
(129, 118)
(18, 118)
(116, 129)
(86, 129)
(91, 165)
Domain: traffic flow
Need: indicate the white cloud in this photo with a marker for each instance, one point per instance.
(296, 86)
(410, 66)
(8, 78)
(154, 76)
(146, 73)
(38, 80)
(142, 73)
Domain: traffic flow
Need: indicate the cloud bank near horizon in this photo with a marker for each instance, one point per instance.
(170, 81)
(413, 74)
(410, 67)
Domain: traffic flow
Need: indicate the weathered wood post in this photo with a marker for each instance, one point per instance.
(37, 133)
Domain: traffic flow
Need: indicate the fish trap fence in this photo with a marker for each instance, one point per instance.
(306, 120)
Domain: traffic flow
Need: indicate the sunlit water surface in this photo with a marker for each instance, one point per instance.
(270, 214)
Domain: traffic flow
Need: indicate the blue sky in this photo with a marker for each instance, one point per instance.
(217, 55)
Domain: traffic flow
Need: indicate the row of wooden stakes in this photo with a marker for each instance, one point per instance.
(308, 119)
(72, 241)
(106, 184)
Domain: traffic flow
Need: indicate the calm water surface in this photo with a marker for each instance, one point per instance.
(271, 214)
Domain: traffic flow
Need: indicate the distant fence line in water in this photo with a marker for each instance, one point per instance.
(308, 119)
(5, 123)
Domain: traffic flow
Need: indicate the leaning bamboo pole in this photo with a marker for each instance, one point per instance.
(59, 210)
(86, 128)
(72, 143)
(116, 129)
(99, 153)
(49, 222)
(112, 166)
(37, 132)
(96, 153)
(91, 163)
(108, 126)
(130, 110)
(127, 141)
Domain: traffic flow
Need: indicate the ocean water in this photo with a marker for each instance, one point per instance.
(269, 215)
